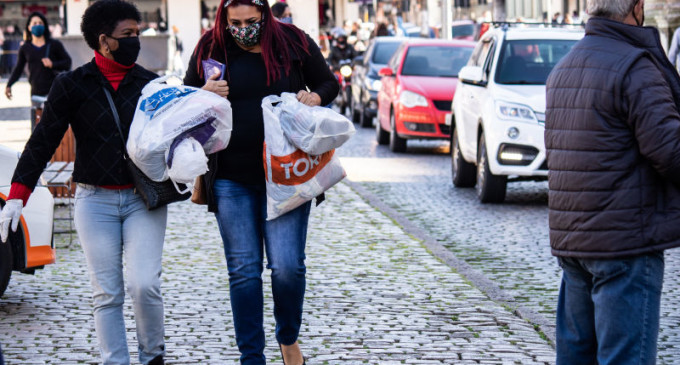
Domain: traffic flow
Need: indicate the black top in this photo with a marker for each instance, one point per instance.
(39, 76)
(77, 98)
(612, 135)
(242, 161)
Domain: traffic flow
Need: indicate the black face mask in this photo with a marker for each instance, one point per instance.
(128, 50)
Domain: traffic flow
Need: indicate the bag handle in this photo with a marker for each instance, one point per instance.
(116, 117)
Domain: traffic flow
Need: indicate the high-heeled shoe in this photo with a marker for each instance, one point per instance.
(283, 358)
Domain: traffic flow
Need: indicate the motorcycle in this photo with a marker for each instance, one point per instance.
(343, 72)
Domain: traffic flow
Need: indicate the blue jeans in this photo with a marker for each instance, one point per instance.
(241, 216)
(608, 310)
(112, 225)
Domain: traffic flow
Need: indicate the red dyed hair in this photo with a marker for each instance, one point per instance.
(275, 40)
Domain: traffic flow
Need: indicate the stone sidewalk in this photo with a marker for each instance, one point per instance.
(375, 295)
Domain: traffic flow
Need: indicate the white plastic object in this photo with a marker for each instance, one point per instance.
(165, 112)
(293, 177)
(188, 162)
(313, 129)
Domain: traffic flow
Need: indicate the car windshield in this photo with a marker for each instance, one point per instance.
(528, 62)
(435, 61)
(461, 31)
(383, 51)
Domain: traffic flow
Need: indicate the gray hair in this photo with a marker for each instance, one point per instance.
(613, 9)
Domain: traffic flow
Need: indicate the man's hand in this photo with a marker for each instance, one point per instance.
(307, 98)
(219, 87)
(47, 62)
(11, 213)
(8, 92)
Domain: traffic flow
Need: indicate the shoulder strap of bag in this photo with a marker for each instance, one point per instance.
(114, 110)
(47, 50)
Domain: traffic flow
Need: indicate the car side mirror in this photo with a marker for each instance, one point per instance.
(358, 60)
(471, 75)
(385, 71)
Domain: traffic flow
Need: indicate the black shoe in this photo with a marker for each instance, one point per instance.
(158, 360)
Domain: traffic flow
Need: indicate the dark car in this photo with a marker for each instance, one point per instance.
(365, 80)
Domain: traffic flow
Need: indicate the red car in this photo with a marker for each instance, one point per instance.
(417, 89)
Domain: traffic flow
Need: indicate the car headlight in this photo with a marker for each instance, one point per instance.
(515, 112)
(373, 84)
(346, 70)
(410, 99)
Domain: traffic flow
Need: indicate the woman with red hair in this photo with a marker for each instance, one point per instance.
(262, 57)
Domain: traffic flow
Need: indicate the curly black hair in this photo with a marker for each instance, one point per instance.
(103, 17)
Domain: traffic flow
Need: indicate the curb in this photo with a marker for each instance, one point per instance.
(478, 279)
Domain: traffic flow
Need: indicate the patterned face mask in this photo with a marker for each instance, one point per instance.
(246, 36)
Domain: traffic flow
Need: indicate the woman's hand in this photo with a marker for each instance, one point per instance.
(8, 93)
(219, 87)
(307, 98)
(47, 62)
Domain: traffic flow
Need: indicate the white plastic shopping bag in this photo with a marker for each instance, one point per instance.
(293, 177)
(170, 113)
(313, 129)
(186, 161)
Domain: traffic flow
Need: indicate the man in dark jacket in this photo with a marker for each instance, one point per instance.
(341, 50)
(612, 135)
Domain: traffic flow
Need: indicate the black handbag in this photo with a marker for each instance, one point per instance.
(155, 194)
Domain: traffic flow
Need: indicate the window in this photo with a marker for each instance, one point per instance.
(435, 61)
(530, 61)
(383, 51)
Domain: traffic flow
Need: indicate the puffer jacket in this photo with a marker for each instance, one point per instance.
(612, 136)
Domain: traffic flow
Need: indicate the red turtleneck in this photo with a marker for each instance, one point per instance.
(112, 70)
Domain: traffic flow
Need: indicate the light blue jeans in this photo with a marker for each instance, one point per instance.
(113, 225)
(608, 310)
(247, 235)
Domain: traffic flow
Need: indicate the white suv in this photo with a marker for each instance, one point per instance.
(498, 111)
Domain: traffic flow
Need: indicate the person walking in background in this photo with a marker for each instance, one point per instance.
(110, 217)
(177, 51)
(262, 57)
(674, 50)
(44, 55)
(612, 136)
(282, 12)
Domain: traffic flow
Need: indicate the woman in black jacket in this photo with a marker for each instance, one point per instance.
(262, 57)
(111, 219)
(45, 57)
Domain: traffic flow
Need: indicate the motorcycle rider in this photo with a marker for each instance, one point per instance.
(341, 50)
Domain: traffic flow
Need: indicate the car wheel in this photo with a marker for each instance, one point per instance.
(356, 116)
(397, 144)
(490, 188)
(381, 135)
(6, 260)
(364, 120)
(463, 173)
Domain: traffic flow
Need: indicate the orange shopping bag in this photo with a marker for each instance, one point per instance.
(293, 176)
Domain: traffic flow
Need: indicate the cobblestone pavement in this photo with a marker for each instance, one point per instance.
(507, 243)
(375, 295)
